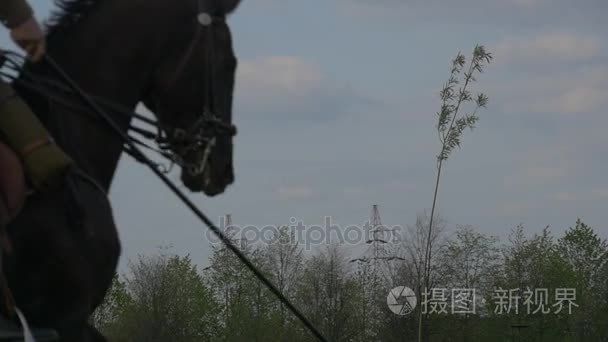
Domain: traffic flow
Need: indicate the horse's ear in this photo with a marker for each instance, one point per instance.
(228, 6)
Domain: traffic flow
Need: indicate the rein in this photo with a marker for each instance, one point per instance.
(203, 133)
(186, 200)
(205, 19)
(161, 134)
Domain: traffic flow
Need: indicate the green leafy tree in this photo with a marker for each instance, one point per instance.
(331, 297)
(531, 265)
(109, 314)
(170, 302)
(164, 298)
(248, 310)
(587, 254)
(410, 273)
(467, 261)
(285, 261)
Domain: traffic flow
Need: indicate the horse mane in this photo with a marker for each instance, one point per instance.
(67, 14)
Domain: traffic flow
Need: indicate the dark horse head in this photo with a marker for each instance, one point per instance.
(177, 58)
(190, 92)
(174, 56)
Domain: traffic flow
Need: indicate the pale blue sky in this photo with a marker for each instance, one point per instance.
(335, 105)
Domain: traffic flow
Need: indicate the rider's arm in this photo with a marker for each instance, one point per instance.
(26, 32)
(14, 12)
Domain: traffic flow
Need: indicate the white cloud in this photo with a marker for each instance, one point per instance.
(547, 47)
(533, 176)
(528, 3)
(588, 195)
(575, 99)
(413, 3)
(418, 9)
(564, 196)
(400, 186)
(542, 174)
(572, 90)
(602, 193)
(289, 87)
(278, 74)
(542, 165)
(293, 192)
(569, 198)
(275, 82)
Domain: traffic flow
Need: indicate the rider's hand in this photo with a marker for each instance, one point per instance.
(30, 37)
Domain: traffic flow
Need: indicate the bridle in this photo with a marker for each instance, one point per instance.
(202, 134)
(208, 127)
(50, 87)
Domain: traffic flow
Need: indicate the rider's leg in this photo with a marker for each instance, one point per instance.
(44, 162)
(12, 185)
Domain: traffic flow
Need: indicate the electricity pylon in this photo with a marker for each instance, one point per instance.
(373, 268)
(378, 255)
(231, 232)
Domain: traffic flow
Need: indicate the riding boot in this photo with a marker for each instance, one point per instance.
(44, 162)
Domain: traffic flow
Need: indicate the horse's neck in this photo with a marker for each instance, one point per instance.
(95, 148)
(85, 136)
(107, 60)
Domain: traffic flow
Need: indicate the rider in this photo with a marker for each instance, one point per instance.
(44, 162)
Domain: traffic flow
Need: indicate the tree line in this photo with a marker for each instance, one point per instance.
(537, 287)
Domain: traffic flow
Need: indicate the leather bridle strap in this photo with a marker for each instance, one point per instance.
(188, 54)
(205, 20)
